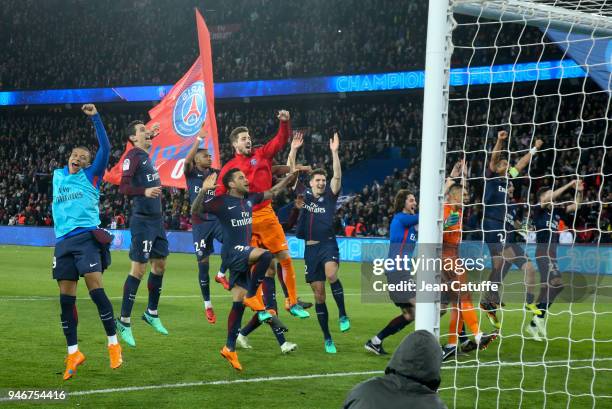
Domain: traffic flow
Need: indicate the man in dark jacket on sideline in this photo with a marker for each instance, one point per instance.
(410, 381)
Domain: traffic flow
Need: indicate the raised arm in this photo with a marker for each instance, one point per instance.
(280, 186)
(192, 151)
(497, 150)
(408, 220)
(98, 167)
(571, 208)
(199, 205)
(524, 161)
(280, 170)
(296, 143)
(279, 141)
(336, 181)
(459, 170)
(221, 190)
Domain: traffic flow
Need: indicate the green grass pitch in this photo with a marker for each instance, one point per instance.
(33, 349)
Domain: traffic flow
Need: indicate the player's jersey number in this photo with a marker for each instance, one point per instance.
(199, 246)
(147, 245)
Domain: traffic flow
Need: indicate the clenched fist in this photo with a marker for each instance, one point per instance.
(89, 109)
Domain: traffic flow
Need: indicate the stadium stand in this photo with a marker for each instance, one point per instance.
(368, 128)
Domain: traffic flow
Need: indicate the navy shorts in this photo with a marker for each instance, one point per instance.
(148, 239)
(546, 259)
(495, 236)
(315, 257)
(78, 255)
(498, 240)
(236, 260)
(203, 235)
(402, 298)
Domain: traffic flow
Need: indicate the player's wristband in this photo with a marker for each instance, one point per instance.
(533, 151)
(200, 139)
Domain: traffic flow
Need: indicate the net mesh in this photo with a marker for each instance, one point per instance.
(567, 360)
(598, 7)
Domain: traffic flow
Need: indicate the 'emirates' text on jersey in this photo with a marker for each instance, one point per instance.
(235, 215)
(546, 223)
(195, 178)
(316, 221)
(137, 165)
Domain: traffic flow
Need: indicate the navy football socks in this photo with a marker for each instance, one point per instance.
(155, 286)
(394, 326)
(203, 268)
(338, 293)
(105, 309)
(130, 288)
(69, 317)
(259, 272)
(233, 324)
(323, 317)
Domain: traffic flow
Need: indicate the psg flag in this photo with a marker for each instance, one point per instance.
(181, 114)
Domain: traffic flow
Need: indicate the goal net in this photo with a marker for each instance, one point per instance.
(533, 79)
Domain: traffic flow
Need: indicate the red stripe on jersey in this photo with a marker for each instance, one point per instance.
(406, 231)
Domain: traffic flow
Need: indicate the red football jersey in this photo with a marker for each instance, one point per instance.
(258, 167)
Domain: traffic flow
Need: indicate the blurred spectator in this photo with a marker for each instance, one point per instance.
(411, 379)
(368, 129)
(153, 42)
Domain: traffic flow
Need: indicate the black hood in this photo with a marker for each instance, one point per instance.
(418, 358)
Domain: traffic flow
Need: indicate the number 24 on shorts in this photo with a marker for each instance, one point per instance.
(200, 245)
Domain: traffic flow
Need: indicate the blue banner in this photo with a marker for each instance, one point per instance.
(524, 72)
(593, 54)
(581, 258)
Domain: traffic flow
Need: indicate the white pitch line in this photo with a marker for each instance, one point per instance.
(44, 298)
(311, 376)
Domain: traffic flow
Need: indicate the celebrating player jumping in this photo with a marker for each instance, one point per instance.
(82, 249)
(256, 164)
(499, 231)
(205, 226)
(547, 216)
(321, 255)
(235, 213)
(141, 181)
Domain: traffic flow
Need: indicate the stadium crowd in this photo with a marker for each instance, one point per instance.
(368, 129)
(25, 168)
(126, 43)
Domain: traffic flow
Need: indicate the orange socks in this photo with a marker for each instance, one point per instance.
(289, 278)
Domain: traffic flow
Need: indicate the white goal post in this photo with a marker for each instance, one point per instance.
(589, 16)
(502, 51)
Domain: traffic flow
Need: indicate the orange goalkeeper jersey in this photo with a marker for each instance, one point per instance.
(452, 234)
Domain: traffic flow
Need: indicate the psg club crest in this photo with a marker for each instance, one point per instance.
(190, 110)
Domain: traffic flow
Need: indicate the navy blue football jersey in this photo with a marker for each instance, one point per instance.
(235, 215)
(137, 165)
(194, 179)
(316, 221)
(495, 198)
(546, 222)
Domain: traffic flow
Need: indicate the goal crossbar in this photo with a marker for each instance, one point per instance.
(540, 14)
